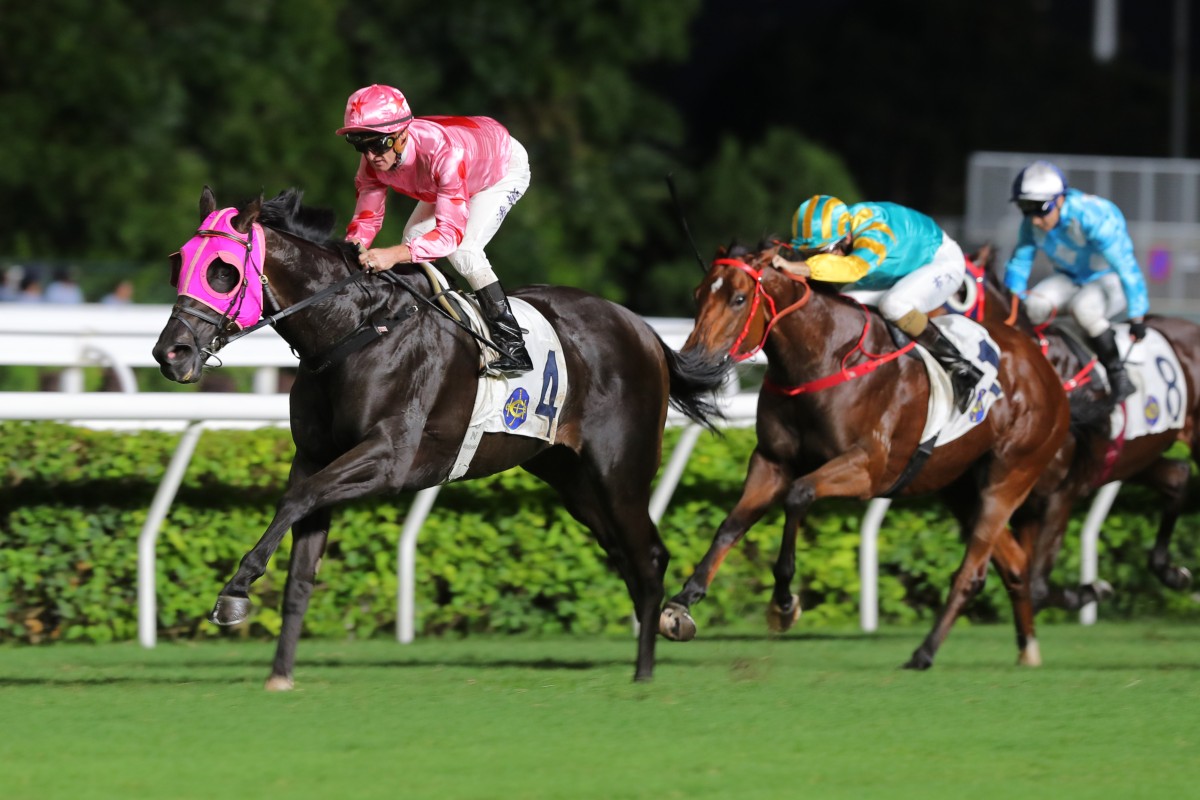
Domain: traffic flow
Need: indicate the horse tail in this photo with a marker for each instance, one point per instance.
(694, 383)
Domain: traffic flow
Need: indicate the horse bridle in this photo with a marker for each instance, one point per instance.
(760, 294)
(222, 323)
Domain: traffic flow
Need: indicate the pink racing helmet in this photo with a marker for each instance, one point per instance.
(377, 108)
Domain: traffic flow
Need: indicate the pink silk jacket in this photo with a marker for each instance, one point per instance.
(445, 162)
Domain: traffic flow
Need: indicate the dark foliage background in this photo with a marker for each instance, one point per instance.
(113, 115)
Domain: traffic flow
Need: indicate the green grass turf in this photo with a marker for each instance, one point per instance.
(1114, 713)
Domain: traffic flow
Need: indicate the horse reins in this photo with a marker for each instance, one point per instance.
(1083, 376)
(222, 322)
(842, 375)
(760, 293)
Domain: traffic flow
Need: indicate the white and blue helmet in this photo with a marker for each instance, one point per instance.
(1038, 186)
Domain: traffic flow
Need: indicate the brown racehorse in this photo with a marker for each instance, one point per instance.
(385, 392)
(855, 438)
(1140, 460)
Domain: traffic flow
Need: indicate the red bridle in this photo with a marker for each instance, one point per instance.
(760, 294)
(841, 376)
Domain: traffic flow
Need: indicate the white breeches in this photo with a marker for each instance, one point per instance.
(1091, 304)
(487, 210)
(923, 289)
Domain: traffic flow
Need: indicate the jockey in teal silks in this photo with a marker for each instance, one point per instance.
(1072, 228)
(894, 258)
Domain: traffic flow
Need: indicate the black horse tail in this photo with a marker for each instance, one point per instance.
(1091, 419)
(694, 384)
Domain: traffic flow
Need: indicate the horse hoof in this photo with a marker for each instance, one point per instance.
(279, 683)
(1031, 656)
(676, 623)
(1178, 578)
(780, 619)
(1103, 591)
(920, 660)
(230, 610)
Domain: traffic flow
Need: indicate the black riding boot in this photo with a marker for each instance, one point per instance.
(1119, 385)
(964, 375)
(506, 333)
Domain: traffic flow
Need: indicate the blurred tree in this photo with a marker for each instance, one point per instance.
(106, 153)
(746, 193)
(146, 102)
(563, 78)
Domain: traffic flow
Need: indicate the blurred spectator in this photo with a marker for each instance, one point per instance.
(10, 288)
(63, 289)
(122, 294)
(30, 289)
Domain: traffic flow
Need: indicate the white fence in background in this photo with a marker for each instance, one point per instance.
(1159, 197)
(73, 338)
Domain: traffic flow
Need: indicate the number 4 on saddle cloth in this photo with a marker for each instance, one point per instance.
(524, 405)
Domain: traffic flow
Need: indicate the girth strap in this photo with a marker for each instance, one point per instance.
(924, 451)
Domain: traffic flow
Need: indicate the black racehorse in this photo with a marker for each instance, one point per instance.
(376, 412)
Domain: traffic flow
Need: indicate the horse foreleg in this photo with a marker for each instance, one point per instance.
(1046, 544)
(765, 482)
(1169, 476)
(846, 476)
(308, 545)
(359, 472)
(784, 608)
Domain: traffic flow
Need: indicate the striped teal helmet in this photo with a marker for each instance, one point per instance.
(819, 222)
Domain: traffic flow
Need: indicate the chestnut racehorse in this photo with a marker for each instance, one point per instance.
(385, 391)
(856, 438)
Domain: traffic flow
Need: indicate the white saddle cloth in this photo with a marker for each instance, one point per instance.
(943, 418)
(525, 405)
(1160, 401)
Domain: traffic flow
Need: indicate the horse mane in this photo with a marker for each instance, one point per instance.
(284, 212)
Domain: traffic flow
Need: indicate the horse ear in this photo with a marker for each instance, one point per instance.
(208, 203)
(985, 255)
(247, 215)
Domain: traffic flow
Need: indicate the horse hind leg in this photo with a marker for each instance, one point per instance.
(624, 531)
(1013, 565)
(997, 504)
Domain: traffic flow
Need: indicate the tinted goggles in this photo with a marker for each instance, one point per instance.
(1036, 208)
(373, 143)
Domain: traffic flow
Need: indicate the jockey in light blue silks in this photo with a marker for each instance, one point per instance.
(893, 258)
(1071, 228)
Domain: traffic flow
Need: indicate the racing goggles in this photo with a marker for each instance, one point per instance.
(373, 143)
(805, 253)
(1037, 208)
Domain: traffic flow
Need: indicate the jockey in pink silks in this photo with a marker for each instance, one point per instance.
(465, 172)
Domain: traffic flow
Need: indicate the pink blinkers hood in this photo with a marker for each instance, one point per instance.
(217, 239)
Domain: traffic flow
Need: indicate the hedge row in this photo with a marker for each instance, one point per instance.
(496, 555)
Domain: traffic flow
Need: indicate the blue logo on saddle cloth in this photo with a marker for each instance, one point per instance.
(516, 409)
